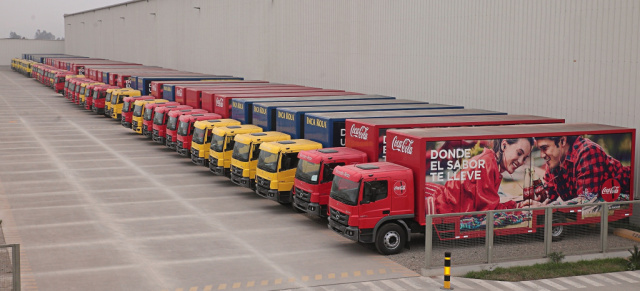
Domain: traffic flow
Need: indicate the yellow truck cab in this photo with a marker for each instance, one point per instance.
(276, 170)
(246, 150)
(84, 91)
(138, 110)
(202, 136)
(117, 100)
(222, 144)
(107, 100)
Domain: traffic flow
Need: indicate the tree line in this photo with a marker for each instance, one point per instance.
(40, 34)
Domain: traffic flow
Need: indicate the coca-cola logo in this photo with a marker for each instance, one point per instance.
(610, 190)
(219, 102)
(403, 146)
(359, 132)
(400, 188)
(179, 92)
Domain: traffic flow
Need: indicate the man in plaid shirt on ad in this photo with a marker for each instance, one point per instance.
(577, 168)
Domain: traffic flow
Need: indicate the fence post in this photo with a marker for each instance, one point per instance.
(15, 248)
(604, 225)
(489, 236)
(548, 228)
(428, 240)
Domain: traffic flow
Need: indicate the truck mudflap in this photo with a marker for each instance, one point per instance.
(242, 181)
(350, 232)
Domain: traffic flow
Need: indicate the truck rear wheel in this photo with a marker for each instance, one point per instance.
(390, 239)
(558, 231)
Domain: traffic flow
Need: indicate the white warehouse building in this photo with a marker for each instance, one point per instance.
(577, 60)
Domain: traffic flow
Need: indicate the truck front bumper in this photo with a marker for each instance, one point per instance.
(182, 151)
(146, 132)
(282, 197)
(157, 138)
(124, 122)
(243, 181)
(170, 143)
(350, 232)
(310, 207)
(200, 161)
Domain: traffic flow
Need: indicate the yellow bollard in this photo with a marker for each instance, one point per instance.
(447, 271)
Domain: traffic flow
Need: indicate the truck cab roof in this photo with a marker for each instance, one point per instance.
(266, 136)
(332, 154)
(236, 129)
(292, 145)
(359, 171)
(209, 121)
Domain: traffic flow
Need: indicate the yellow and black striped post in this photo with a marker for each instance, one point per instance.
(447, 271)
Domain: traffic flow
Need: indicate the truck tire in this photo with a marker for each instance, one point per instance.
(558, 231)
(390, 239)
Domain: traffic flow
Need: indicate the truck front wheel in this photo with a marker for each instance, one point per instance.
(390, 239)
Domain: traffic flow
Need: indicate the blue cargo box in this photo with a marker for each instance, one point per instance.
(145, 82)
(242, 108)
(291, 120)
(264, 114)
(329, 128)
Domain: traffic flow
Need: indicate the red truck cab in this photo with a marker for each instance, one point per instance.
(160, 118)
(149, 114)
(172, 122)
(314, 177)
(127, 109)
(59, 81)
(185, 131)
(373, 203)
(99, 96)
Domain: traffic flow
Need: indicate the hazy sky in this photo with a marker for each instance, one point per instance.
(26, 16)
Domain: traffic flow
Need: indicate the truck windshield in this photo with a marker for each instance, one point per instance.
(81, 90)
(107, 98)
(198, 135)
(183, 128)
(308, 172)
(217, 143)
(148, 113)
(268, 161)
(345, 191)
(241, 152)
(137, 110)
(158, 118)
(126, 106)
(172, 123)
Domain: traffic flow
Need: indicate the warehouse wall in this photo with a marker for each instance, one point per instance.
(14, 48)
(577, 60)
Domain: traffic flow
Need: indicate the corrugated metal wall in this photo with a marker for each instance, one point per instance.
(14, 48)
(572, 59)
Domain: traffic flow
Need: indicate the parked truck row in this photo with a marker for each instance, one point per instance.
(374, 166)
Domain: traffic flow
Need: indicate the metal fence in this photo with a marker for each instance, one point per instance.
(487, 237)
(10, 267)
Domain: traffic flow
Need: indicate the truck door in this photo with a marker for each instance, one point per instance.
(375, 202)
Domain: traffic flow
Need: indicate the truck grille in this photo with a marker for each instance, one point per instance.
(134, 124)
(302, 195)
(180, 144)
(156, 133)
(338, 216)
(236, 170)
(195, 152)
(169, 138)
(145, 128)
(263, 182)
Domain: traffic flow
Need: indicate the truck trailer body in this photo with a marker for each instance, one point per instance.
(292, 120)
(193, 95)
(222, 103)
(265, 113)
(170, 89)
(370, 134)
(242, 109)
